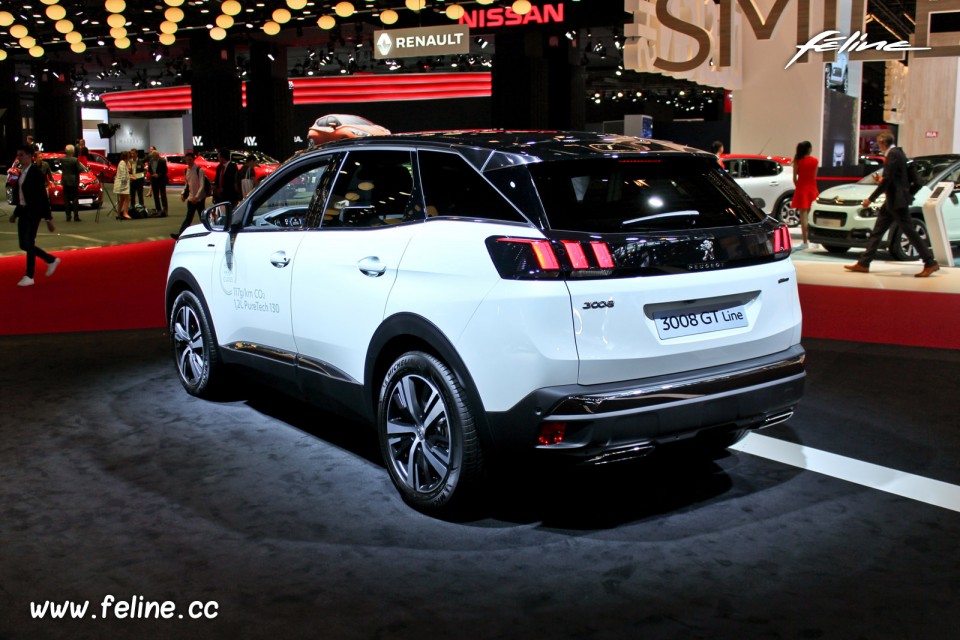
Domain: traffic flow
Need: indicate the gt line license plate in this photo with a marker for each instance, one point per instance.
(676, 323)
(87, 201)
(827, 222)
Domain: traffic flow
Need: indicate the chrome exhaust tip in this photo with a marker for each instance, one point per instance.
(769, 421)
(621, 455)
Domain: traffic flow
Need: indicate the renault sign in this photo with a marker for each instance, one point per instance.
(425, 41)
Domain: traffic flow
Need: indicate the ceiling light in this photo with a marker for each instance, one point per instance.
(122, 43)
(281, 15)
(18, 31)
(36, 51)
(116, 20)
(6, 18)
(344, 9)
(27, 41)
(63, 26)
(167, 38)
(454, 11)
(415, 5)
(115, 6)
(389, 16)
(522, 7)
(271, 28)
(218, 33)
(173, 3)
(118, 32)
(78, 47)
(231, 7)
(56, 12)
(296, 5)
(326, 22)
(168, 27)
(73, 37)
(224, 21)
(173, 14)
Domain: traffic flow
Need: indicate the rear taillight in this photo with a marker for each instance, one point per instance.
(781, 240)
(538, 259)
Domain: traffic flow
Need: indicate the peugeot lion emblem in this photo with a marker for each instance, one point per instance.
(707, 247)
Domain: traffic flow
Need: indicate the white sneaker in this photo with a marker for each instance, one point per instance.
(25, 282)
(53, 267)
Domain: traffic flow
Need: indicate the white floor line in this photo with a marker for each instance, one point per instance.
(907, 485)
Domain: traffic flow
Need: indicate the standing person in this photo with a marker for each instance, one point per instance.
(805, 186)
(895, 184)
(194, 192)
(82, 152)
(248, 175)
(225, 180)
(158, 181)
(34, 147)
(70, 179)
(137, 169)
(31, 206)
(44, 166)
(717, 148)
(121, 186)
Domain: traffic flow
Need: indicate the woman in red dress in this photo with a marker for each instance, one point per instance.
(805, 183)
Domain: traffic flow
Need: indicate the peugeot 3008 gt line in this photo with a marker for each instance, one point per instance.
(570, 294)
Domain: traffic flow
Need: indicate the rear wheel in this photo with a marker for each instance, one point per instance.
(427, 433)
(833, 248)
(901, 248)
(194, 347)
(785, 211)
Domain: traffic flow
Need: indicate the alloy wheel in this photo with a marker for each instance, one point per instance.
(188, 345)
(418, 433)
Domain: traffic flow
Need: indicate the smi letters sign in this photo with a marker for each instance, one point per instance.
(702, 41)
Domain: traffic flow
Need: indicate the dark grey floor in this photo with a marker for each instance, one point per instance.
(114, 481)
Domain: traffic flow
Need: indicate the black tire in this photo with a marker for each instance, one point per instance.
(833, 248)
(195, 350)
(784, 211)
(900, 247)
(427, 434)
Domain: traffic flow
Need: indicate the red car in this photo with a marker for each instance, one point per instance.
(99, 166)
(175, 167)
(338, 126)
(208, 161)
(91, 191)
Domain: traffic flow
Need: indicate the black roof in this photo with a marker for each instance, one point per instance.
(538, 145)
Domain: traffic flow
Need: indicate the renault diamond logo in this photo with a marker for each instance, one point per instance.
(384, 44)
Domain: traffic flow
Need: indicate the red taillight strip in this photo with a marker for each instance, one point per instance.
(575, 252)
(602, 252)
(542, 249)
(781, 240)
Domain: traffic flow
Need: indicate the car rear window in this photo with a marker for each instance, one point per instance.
(631, 194)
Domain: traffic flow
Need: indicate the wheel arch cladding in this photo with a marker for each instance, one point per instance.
(405, 332)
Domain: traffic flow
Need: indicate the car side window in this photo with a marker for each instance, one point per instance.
(372, 189)
(763, 168)
(287, 203)
(451, 187)
(736, 168)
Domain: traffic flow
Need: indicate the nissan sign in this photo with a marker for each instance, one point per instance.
(425, 41)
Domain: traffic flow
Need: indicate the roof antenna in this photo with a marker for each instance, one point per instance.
(760, 153)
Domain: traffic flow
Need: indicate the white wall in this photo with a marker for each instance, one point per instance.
(90, 134)
(166, 134)
(777, 107)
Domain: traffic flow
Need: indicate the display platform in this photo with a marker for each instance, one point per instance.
(117, 484)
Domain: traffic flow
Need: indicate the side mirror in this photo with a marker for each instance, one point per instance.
(216, 217)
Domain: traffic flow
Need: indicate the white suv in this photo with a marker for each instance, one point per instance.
(574, 294)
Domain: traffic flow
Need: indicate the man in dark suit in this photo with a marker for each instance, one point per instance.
(225, 180)
(31, 205)
(70, 180)
(158, 182)
(895, 185)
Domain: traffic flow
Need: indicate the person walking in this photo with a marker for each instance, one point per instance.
(895, 185)
(70, 180)
(194, 192)
(137, 169)
(31, 205)
(805, 187)
(158, 181)
(121, 186)
(248, 175)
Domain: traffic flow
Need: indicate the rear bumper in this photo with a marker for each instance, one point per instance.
(603, 419)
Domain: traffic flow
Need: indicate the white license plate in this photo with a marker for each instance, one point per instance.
(828, 222)
(675, 323)
(86, 201)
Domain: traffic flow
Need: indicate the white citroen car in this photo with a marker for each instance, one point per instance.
(568, 294)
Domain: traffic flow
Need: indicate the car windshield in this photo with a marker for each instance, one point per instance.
(928, 167)
(630, 194)
(353, 120)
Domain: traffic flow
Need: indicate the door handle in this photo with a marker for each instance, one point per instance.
(279, 259)
(372, 266)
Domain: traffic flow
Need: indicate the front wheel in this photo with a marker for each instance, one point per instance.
(427, 433)
(194, 347)
(785, 212)
(900, 246)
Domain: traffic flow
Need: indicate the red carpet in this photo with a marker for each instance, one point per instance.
(122, 287)
(119, 287)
